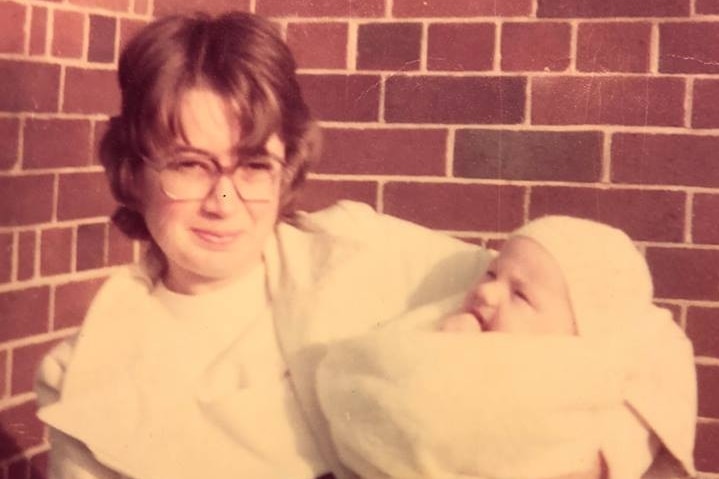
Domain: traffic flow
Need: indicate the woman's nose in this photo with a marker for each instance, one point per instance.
(223, 199)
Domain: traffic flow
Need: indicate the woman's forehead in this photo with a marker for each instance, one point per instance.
(207, 121)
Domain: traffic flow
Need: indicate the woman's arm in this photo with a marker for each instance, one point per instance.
(69, 458)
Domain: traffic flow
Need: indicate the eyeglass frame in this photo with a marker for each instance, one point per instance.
(218, 172)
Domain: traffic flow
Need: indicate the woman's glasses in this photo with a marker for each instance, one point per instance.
(190, 175)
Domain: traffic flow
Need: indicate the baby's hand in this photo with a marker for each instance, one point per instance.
(460, 323)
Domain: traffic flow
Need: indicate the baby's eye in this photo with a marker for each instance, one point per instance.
(520, 294)
(491, 275)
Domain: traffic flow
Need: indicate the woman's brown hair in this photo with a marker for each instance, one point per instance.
(239, 56)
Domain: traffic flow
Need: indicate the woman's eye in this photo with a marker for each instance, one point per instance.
(261, 165)
(190, 165)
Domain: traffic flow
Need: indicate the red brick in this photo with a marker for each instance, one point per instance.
(389, 46)
(342, 97)
(38, 31)
(25, 200)
(612, 8)
(39, 465)
(9, 142)
(116, 5)
(705, 104)
(437, 99)
(84, 195)
(99, 129)
(320, 194)
(3, 374)
(703, 330)
(102, 39)
(68, 34)
(72, 301)
(705, 227)
(708, 382)
(6, 249)
(90, 250)
(25, 361)
(128, 29)
(535, 46)
(12, 23)
(456, 207)
(688, 48)
(707, 7)
(707, 444)
(55, 251)
(24, 312)
(461, 8)
(608, 100)
(645, 215)
(460, 46)
(318, 45)
(528, 155)
(56, 143)
(120, 248)
(142, 7)
(321, 8)
(91, 91)
(665, 159)
(170, 7)
(21, 429)
(18, 469)
(683, 273)
(29, 86)
(614, 47)
(384, 152)
(26, 255)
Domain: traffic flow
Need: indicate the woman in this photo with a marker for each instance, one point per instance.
(200, 361)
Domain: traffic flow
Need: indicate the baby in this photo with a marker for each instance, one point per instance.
(570, 369)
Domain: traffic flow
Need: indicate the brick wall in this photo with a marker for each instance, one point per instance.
(469, 116)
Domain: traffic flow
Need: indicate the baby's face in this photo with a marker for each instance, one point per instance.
(522, 292)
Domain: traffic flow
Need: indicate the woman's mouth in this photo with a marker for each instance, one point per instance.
(217, 238)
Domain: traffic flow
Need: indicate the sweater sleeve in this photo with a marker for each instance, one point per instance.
(69, 458)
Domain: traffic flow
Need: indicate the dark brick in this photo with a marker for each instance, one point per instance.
(456, 207)
(384, 152)
(683, 273)
(39, 464)
(24, 312)
(389, 46)
(705, 104)
(6, 253)
(342, 97)
(27, 241)
(72, 301)
(437, 99)
(102, 39)
(646, 215)
(3, 375)
(608, 100)
(170, 7)
(21, 428)
(29, 86)
(84, 195)
(91, 241)
(703, 330)
(318, 45)
(321, 8)
(528, 155)
(320, 194)
(707, 7)
(25, 200)
(708, 382)
(9, 142)
(128, 29)
(68, 34)
(705, 227)
(612, 8)
(461, 8)
(38, 31)
(665, 159)
(460, 46)
(91, 91)
(688, 47)
(25, 361)
(12, 23)
(56, 143)
(707, 445)
(56, 251)
(614, 47)
(535, 46)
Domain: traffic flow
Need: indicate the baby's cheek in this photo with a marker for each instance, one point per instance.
(460, 323)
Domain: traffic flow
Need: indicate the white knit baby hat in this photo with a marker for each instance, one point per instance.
(607, 277)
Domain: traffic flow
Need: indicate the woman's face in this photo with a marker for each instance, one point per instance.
(210, 241)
